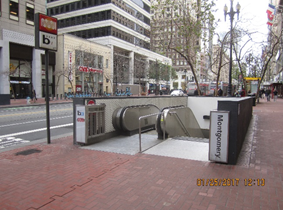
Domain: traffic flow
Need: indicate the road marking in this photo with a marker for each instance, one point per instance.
(56, 118)
(10, 141)
(33, 131)
(37, 112)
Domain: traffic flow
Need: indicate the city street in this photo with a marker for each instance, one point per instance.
(20, 125)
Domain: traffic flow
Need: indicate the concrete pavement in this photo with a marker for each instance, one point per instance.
(64, 176)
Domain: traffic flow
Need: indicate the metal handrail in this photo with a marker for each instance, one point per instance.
(180, 122)
(145, 116)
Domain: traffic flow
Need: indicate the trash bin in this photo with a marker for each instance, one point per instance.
(28, 100)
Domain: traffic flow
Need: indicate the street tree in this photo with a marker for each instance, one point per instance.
(270, 50)
(67, 73)
(218, 57)
(140, 70)
(160, 73)
(120, 71)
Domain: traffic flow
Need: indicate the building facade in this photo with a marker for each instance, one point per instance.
(275, 73)
(82, 66)
(162, 33)
(123, 25)
(20, 62)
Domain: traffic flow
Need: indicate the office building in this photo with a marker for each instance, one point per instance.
(20, 63)
(123, 25)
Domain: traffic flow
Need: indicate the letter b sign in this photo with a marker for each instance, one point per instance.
(45, 40)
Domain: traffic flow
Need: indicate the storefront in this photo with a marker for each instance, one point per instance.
(89, 80)
(89, 73)
(20, 71)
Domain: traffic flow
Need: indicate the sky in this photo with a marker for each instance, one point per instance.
(252, 16)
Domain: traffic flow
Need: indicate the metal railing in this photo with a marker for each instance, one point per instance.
(180, 122)
(146, 116)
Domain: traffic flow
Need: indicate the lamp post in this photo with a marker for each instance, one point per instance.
(231, 13)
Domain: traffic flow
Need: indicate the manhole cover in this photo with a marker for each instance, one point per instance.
(28, 152)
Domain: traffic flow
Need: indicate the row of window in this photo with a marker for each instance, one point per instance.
(100, 16)
(14, 11)
(74, 6)
(108, 31)
(89, 59)
(79, 20)
(93, 33)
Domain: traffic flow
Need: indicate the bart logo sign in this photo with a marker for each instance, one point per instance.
(45, 32)
(47, 24)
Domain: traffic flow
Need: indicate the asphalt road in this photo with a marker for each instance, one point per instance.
(22, 125)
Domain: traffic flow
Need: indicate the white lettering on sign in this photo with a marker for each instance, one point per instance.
(48, 24)
(219, 136)
(89, 69)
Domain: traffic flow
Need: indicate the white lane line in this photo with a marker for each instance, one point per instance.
(33, 131)
(56, 118)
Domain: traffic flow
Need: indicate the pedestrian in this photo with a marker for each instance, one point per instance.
(243, 92)
(220, 92)
(35, 98)
(275, 92)
(267, 94)
(195, 92)
(262, 93)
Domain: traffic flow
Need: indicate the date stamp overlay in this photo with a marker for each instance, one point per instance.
(231, 182)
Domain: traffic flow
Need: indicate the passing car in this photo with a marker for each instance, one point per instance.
(177, 93)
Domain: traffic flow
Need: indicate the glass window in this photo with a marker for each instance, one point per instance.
(84, 3)
(72, 6)
(14, 68)
(67, 7)
(90, 3)
(30, 10)
(100, 61)
(26, 69)
(14, 10)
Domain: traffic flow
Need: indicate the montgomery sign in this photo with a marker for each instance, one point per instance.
(219, 136)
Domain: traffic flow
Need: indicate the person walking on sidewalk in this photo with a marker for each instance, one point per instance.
(275, 92)
(34, 96)
(267, 94)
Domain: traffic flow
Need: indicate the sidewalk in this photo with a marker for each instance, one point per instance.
(64, 176)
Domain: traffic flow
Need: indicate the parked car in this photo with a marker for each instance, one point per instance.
(177, 93)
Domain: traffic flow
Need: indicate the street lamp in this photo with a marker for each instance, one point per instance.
(231, 13)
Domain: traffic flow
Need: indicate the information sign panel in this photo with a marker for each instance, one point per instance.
(80, 124)
(219, 136)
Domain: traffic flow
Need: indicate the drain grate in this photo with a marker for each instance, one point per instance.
(28, 152)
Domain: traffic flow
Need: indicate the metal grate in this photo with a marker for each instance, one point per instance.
(28, 152)
(95, 121)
